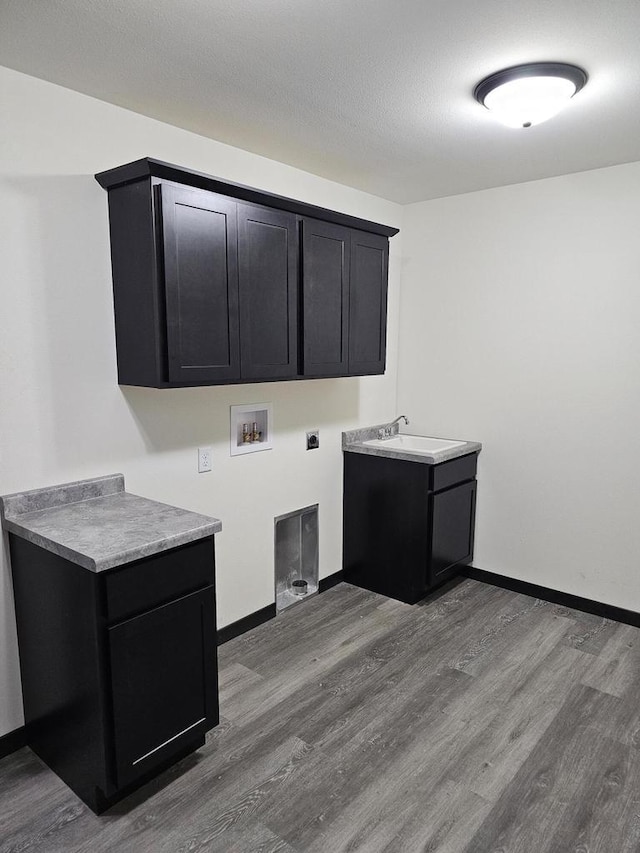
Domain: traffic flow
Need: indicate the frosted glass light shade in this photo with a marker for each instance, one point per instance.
(530, 94)
(530, 100)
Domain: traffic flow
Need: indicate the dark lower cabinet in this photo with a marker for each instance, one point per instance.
(408, 526)
(119, 668)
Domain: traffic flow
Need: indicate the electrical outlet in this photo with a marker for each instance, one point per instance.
(205, 457)
(313, 439)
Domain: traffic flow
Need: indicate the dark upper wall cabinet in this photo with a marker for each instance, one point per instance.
(217, 283)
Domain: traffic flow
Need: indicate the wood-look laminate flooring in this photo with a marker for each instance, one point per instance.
(479, 721)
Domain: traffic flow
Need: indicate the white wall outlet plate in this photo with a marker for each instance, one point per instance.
(205, 459)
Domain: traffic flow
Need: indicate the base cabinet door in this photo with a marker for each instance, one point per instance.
(452, 524)
(164, 682)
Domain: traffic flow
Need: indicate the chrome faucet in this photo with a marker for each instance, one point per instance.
(387, 431)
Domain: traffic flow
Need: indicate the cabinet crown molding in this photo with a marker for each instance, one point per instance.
(149, 167)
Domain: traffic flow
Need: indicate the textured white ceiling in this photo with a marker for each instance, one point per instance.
(376, 94)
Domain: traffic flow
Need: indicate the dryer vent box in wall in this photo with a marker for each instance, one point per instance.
(296, 555)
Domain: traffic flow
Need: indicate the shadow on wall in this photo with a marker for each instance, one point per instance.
(175, 418)
(61, 257)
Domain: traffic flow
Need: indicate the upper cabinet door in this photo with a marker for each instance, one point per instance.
(325, 298)
(368, 303)
(268, 288)
(201, 285)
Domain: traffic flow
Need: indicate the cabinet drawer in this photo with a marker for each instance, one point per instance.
(142, 585)
(455, 471)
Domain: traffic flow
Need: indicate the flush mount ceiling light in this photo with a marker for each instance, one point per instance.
(529, 94)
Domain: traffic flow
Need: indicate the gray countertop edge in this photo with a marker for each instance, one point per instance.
(423, 458)
(159, 546)
(121, 557)
(12, 526)
(25, 514)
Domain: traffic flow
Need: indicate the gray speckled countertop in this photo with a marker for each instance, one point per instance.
(353, 442)
(98, 525)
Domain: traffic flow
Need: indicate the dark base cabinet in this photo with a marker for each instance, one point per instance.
(408, 526)
(119, 668)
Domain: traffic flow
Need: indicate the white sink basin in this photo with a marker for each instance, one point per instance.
(414, 444)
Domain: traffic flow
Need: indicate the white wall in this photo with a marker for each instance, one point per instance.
(520, 327)
(62, 414)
